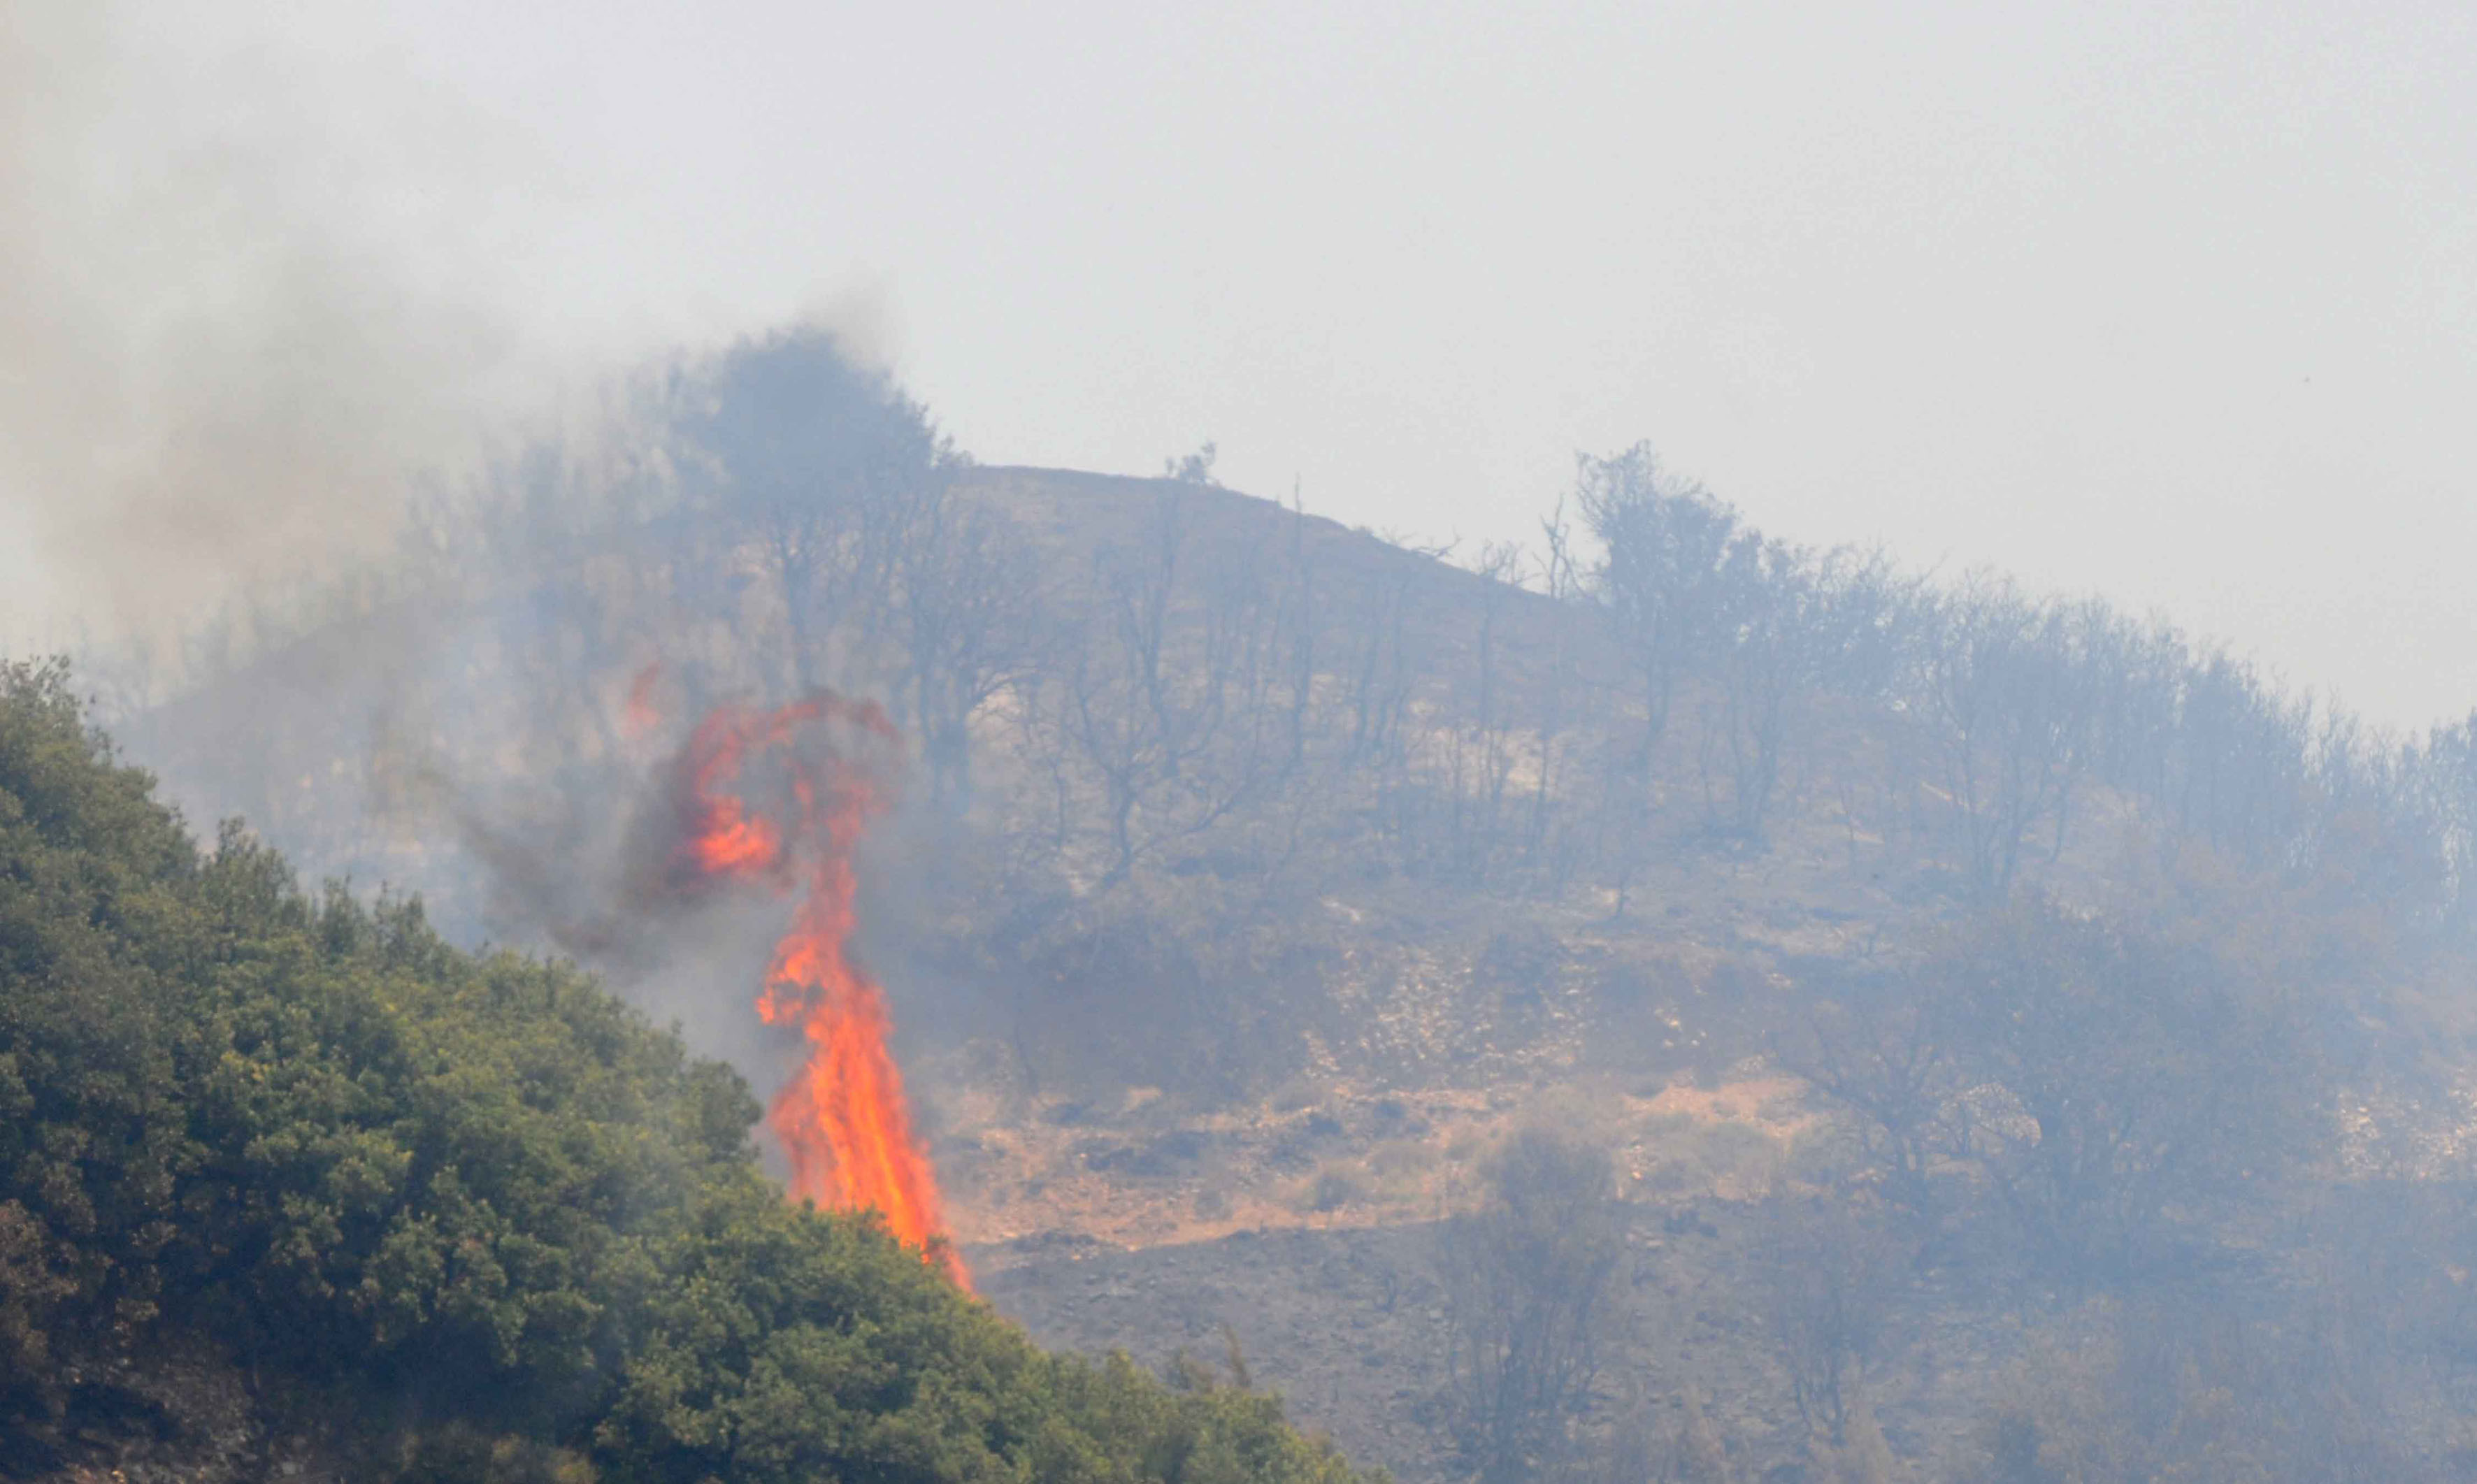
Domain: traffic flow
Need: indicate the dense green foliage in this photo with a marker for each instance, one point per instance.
(475, 1185)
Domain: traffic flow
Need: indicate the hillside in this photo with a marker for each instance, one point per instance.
(290, 1187)
(1974, 1034)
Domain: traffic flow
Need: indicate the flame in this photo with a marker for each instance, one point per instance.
(842, 1118)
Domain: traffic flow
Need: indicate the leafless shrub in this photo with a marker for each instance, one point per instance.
(1529, 1274)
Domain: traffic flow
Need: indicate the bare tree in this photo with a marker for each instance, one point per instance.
(2009, 712)
(1531, 1282)
(1160, 710)
(1478, 735)
(1878, 1055)
(1825, 1284)
(2241, 760)
(1562, 709)
(1764, 637)
(2445, 778)
(967, 603)
(2121, 1090)
(1664, 544)
(814, 459)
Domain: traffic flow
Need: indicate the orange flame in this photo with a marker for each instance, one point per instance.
(842, 1118)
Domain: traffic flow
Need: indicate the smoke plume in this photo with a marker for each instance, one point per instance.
(247, 292)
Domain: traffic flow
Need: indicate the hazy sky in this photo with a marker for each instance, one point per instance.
(2178, 303)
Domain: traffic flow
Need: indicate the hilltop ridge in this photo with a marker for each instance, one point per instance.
(1263, 890)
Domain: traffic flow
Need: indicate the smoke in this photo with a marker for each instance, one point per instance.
(249, 292)
(685, 872)
(262, 296)
(261, 293)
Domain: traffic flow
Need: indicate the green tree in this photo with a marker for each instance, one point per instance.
(320, 1135)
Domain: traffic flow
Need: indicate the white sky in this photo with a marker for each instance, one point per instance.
(2177, 303)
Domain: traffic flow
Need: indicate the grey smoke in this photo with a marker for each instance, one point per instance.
(247, 295)
(262, 295)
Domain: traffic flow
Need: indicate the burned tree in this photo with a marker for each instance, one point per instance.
(1160, 689)
(1763, 651)
(2008, 707)
(2120, 1090)
(1826, 1278)
(817, 460)
(1876, 1051)
(1531, 1278)
(968, 611)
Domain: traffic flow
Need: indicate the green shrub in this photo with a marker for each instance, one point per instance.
(323, 1136)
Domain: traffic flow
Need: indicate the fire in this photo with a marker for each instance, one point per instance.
(842, 1118)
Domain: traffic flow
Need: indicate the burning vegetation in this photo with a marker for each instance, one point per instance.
(465, 1215)
(841, 1118)
(2018, 957)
